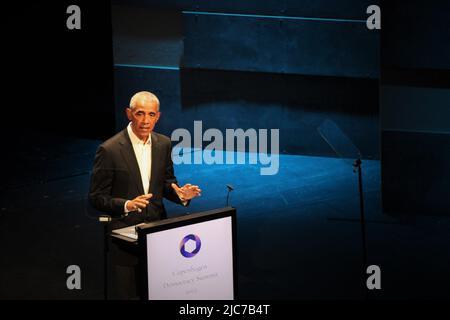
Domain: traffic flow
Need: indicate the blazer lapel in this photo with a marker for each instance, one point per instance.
(128, 155)
(155, 160)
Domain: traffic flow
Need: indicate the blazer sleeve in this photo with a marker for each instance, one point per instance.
(102, 179)
(170, 178)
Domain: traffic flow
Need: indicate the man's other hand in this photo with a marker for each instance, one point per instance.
(139, 203)
(187, 192)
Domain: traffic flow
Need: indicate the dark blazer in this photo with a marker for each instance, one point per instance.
(116, 178)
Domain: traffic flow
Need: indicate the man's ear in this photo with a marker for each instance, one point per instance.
(128, 112)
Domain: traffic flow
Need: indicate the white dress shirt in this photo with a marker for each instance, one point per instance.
(143, 152)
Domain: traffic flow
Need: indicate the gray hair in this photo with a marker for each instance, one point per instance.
(143, 95)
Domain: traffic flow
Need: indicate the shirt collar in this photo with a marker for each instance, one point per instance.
(134, 138)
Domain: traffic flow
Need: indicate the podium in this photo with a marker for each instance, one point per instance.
(192, 257)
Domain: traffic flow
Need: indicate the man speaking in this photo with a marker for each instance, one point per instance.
(132, 173)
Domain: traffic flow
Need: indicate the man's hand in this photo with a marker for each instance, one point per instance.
(187, 192)
(139, 203)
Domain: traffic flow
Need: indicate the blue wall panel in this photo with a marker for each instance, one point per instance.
(331, 48)
(315, 47)
(233, 43)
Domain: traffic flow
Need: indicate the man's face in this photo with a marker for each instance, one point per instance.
(143, 117)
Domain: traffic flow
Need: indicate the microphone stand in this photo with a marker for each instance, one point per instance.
(105, 219)
(230, 188)
(357, 168)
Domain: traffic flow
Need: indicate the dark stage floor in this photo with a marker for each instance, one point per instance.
(298, 231)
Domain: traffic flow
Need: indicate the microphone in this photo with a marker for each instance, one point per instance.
(229, 188)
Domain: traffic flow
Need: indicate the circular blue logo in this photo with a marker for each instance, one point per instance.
(190, 239)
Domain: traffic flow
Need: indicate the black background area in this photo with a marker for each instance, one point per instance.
(58, 80)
